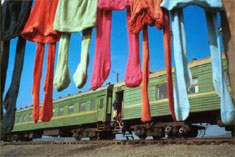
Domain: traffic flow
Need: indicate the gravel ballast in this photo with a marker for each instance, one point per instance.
(117, 150)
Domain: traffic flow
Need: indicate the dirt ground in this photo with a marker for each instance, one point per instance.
(117, 150)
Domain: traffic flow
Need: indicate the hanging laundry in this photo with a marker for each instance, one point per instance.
(228, 27)
(39, 28)
(183, 76)
(143, 13)
(14, 17)
(5, 46)
(102, 62)
(219, 79)
(74, 16)
(171, 4)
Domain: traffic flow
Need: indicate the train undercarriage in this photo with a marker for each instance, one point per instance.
(108, 131)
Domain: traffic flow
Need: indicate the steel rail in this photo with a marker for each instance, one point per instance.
(187, 141)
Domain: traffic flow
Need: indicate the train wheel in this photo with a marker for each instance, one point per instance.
(192, 133)
(78, 138)
(233, 132)
(106, 136)
(26, 139)
(158, 133)
(172, 132)
(156, 137)
(142, 137)
(93, 138)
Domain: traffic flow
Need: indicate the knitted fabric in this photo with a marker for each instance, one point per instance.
(227, 110)
(74, 16)
(148, 12)
(102, 62)
(182, 84)
(206, 4)
(182, 106)
(14, 17)
(39, 28)
(228, 27)
(182, 73)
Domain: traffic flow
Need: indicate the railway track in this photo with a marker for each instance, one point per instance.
(188, 141)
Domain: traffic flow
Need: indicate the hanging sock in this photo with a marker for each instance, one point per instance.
(229, 44)
(145, 75)
(14, 15)
(219, 77)
(150, 13)
(80, 76)
(133, 72)
(102, 63)
(62, 78)
(12, 94)
(5, 47)
(74, 16)
(167, 50)
(39, 28)
(215, 52)
(37, 74)
(47, 107)
(179, 5)
(183, 75)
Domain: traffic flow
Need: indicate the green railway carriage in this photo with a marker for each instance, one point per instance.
(202, 95)
(204, 103)
(90, 113)
(81, 110)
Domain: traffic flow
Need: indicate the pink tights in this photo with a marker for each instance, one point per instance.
(102, 62)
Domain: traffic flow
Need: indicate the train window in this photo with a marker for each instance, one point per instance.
(101, 103)
(17, 119)
(71, 109)
(194, 86)
(24, 118)
(161, 91)
(30, 117)
(61, 111)
(92, 105)
(226, 78)
(53, 111)
(82, 107)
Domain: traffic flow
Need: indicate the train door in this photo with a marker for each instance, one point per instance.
(100, 108)
(119, 98)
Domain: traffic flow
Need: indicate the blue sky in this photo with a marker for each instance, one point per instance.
(197, 47)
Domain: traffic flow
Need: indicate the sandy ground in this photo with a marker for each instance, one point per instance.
(118, 150)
